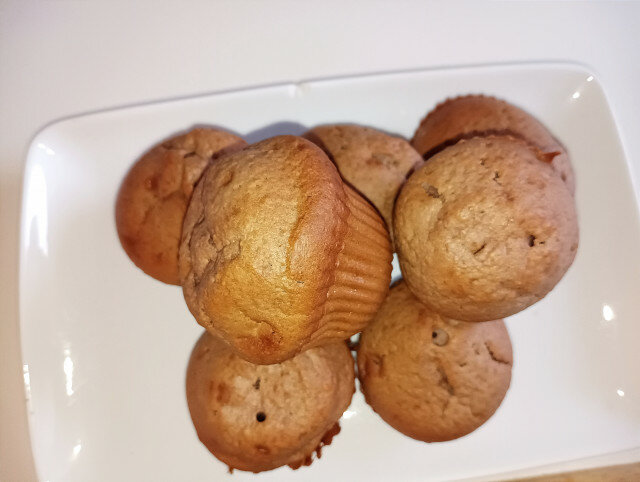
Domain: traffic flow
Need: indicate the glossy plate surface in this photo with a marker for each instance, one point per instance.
(105, 347)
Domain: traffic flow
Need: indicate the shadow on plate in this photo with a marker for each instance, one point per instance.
(275, 129)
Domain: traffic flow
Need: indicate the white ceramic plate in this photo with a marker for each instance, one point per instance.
(105, 347)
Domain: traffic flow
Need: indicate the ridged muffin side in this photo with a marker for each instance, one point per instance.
(362, 275)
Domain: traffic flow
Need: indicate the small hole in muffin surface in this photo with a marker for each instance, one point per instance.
(439, 337)
(261, 416)
(532, 240)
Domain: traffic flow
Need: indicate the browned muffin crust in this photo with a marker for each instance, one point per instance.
(484, 229)
(430, 377)
(278, 254)
(474, 115)
(373, 162)
(259, 417)
(154, 195)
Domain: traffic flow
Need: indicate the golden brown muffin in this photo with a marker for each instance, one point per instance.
(279, 255)
(484, 229)
(374, 163)
(259, 417)
(472, 115)
(155, 193)
(430, 377)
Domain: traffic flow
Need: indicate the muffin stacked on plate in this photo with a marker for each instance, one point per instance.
(431, 377)
(484, 229)
(279, 255)
(259, 417)
(281, 261)
(283, 250)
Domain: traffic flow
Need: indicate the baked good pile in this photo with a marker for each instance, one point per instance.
(283, 250)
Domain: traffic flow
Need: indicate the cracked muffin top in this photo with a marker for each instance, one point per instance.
(472, 115)
(259, 417)
(430, 377)
(484, 229)
(373, 162)
(154, 195)
(277, 253)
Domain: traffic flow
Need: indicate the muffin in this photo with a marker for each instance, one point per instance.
(259, 417)
(430, 377)
(279, 255)
(484, 229)
(374, 163)
(154, 195)
(473, 115)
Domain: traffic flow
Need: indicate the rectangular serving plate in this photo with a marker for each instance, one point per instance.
(105, 347)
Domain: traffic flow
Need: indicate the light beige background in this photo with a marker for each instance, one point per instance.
(64, 57)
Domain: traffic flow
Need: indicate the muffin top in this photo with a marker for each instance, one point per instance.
(260, 244)
(154, 195)
(374, 163)
(430, 377)
(472, 115)
(259, 417)
(484, 229)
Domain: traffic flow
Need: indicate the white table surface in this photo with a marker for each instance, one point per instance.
(65, 57)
